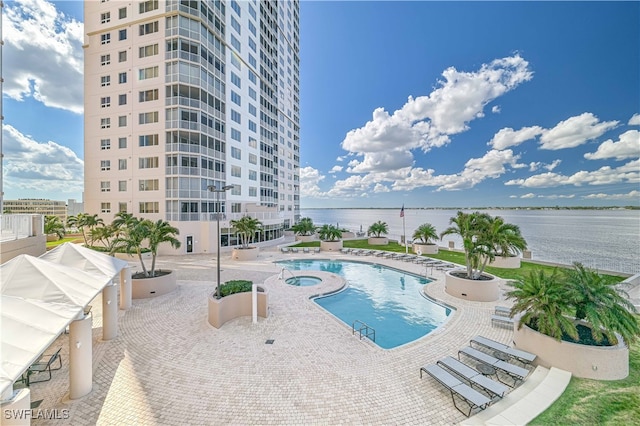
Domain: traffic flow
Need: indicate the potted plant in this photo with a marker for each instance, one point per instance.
(82, 221)
(150, 282)
(575, 320)
(425, 234)
(246, 228)
(330, 238)
(304, 230)
(236, 301)
(53, 228)
(376, 232)
(505, 243)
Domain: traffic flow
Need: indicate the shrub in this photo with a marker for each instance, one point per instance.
(235, 286)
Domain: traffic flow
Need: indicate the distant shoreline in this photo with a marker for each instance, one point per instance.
(477, 208)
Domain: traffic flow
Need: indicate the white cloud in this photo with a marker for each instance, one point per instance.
(635, 120)
(529, 195)
(628, 146)
(336, 169)
(555, 197)
(35, 33)
(575, 131)
(552, 165)
(627, 173)
(496, 109)
(508, 137)
(633, 195)
(310, 179)
(36, 167)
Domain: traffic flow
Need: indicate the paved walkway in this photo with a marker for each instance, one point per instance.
(168, 366)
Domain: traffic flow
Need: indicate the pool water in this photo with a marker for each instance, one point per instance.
(386, 299)
(302, 281)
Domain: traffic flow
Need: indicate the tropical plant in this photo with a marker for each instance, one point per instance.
(235, 286)
(329, 233)
(246, 228)
(53, 226)
(161, 232)
(104, 234)
(82, 221)
(378, 229)
(469, 226)
(426, 233)
(304, 227)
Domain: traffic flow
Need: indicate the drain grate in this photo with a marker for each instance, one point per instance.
(269, 342)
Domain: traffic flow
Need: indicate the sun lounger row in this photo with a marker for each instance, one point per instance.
(296, 250)
(517, 354)
(516, 373)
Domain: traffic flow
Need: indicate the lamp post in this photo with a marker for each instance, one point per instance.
(217, 191)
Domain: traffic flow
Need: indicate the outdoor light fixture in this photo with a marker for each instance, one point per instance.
(217, 191)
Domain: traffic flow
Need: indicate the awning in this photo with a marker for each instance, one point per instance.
(91, 261)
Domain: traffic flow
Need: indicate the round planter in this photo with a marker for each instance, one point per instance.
(425, 248)
(52, 237)
(509, 262)
(378, 241)
(236, 305)
(330, 245)
(142, 288)
(584, 361)
(243, 254)
(474, 290)
(305, 238)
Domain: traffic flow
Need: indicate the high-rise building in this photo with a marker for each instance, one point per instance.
(184, 96)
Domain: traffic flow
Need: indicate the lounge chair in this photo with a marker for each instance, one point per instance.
(294, 249)
(500, 320)
(474, 377)
(305, 250)
(522, 356)
(502, 311)
(516, 373)
(316, 249)
(356, 251)
(44, 365)
(472, 397)
(389, 255)
(366, 252)
(345, 250)
(284, 249)
(380, 253)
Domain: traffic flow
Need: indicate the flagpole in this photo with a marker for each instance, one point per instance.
(406, 248)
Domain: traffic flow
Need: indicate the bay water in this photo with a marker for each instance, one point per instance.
(601, 239)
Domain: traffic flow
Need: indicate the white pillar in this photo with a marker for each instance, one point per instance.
(254, 302)
(109, 312)
(80, 357)
(125, 288)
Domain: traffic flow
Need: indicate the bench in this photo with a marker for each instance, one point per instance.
(522, 356)
(44, 365)
(500, 320)
(518, 374)
(472, 397)
(473, 376)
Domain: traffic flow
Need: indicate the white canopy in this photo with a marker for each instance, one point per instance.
(29, 327)
(85, 259)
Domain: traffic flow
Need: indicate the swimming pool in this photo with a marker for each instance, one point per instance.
(388, 300)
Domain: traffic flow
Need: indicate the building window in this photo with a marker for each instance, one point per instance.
(122, 185)
(122, 99)
(253, 175)
(253, 143)
(235, 6)
(122, 77)
(122, 13)
(252, 93)
(252, 110)
(235, 61)
(236, 171)
(122, 34)
(253, 191)
(105, 59)
(252, 28)
(148, 184)
(252, 77)
(105, 38)
(236, 135)
(122, 143)
(253, 127)
(235, 25)
(148, 95)
(151, 27)
(105, 144)
(236, 190)
(145, 73)
(105, 123)
(252, 12)
(253, 159)
(148, 6)
(122, 164)
(149, 207)
(235, 43)
(122, 207)
(105, 80)
(105, 165)
(105, 207)
(105, 17)
(149, 50)
(122, 56)
(122, 121)
(236, 153)
(235, 116)
(148, 117)
(105, 186)
(148, 140)
(148, 163)
(105, 102)
(235, 98)
(252, 45)
(235, 79)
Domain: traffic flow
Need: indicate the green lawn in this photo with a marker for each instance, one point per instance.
(51, 244)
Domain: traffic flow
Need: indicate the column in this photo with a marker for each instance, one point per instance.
(80, 357)
(125, 288)
(109, 312)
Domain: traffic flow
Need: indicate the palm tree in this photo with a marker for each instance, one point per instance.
(103, 234)
(378, 229)
(161, 232)
(304, 227)
(425, 233)
(329, 233)
(82, 220)
(246, 228)
(498, 238)
(469, 227)
(131, 238)
(54, 226)
(91, 221)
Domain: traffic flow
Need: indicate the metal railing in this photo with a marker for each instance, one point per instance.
(363, 330)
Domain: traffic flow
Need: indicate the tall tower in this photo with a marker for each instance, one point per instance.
(183, 95)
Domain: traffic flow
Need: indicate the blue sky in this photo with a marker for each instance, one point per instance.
(427, 104)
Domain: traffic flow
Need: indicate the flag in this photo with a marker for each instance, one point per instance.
(402, 211)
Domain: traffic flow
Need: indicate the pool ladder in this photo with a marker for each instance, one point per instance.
(363, 330)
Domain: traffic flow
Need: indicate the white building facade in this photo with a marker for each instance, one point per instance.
(181, 96)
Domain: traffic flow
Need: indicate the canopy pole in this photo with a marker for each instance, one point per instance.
(80, 357)
(125, 288)
(109, 312)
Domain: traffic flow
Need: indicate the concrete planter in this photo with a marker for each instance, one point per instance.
(378, 241)
(133, 257)
(52, 237)
(142, 288)
(510, 262)
(305, 238)
(242, 254)
(584, 361)
(425, 248)
(330, 245)
(236, 305)
(474, 290)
